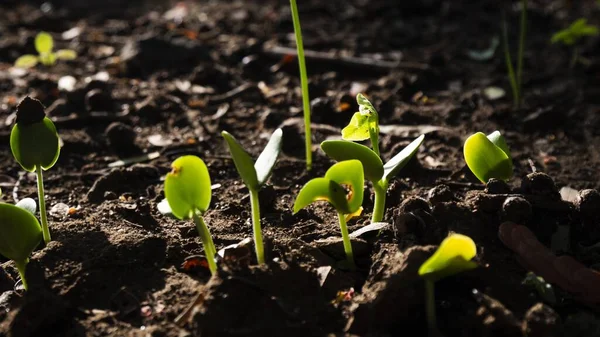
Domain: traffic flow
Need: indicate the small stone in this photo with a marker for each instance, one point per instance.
(540, 184)
(120, 135)
(588, 204)
(541, 321)
(99, 100)
(495, 186)
(440, 193)
(517, 210)
(414, 204)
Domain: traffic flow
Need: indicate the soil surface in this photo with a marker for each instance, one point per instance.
(157, 80)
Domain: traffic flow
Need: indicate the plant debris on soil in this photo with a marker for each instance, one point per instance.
(154, 80)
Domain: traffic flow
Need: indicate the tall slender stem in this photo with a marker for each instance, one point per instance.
(521, 48)
(346, 240)
(509, 66)
(258, 241)
(207, 241)
(430, 307)
(42, 202)
(380, 189)
(303, 83)
(21, 266)
(374, 137)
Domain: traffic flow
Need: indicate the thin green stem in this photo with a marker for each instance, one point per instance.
(430, 307)
(374, 136)
(207, 241)
(42, 201)
(346, 239)
(521, 48)
(303, 83)
(21, 266)
(258, 241)
(509, 66)
(380, 189)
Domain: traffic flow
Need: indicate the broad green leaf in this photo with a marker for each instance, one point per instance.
(243, 162)
(351, 174)
(187, 186)
(322, 189)
(27, 204)
(392, 167)
(26, 61)
(66, 54)
(44, 43)
(357, 129)
(498, 140)
(341, 150)
(35, 144)
(485, 159)
(21, 233)
(453, 256)
(267, 159)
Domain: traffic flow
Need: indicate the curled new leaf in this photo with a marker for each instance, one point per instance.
(392, 167)
(21, 233)
(340, 150)
(187, 187)
(453, 256)
(487, 157)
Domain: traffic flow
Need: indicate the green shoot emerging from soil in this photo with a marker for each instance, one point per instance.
(44, 45)
(453, 256)
(254, 176)
(188, 192)
(365, 125)
(303, 83)
(332, 188)
(20, 234)
(516, 80)
(488, 156)
(35, 145)
(571, 35)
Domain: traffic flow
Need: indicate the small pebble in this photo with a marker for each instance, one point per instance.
(517, 210)
(495, 186)
(588, 204)
(540, 184)
(412, 204)
(98, 100)
(120, 135)
(440, 193)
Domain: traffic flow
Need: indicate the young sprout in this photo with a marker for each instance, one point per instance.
(452, 257)
(20, 234)
(365, 125)
(571, 35)
(44, 45)
(254, 176)
(488, 156)
(35, 145)
(516, 80)
(188, 192)
(303, 83)
(332, 187)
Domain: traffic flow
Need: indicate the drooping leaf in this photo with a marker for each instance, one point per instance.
(341, 150)
(351, 174)
(26, 61)
(392, 167)
(485, 159)
(267, 159)
(21, 232)
(243, 162)
(453, 256)
(187, 186)
(44, 43)
(357, 129)
(322, 189)
(27, 204)
(66, 54)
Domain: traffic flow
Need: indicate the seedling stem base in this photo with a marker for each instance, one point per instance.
(380, 190)
(40, 186)
(258, 241)
(207, 242)
(430, 307)
(21, 268)
(346, 239)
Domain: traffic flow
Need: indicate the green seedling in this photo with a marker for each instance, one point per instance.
(35, 145)
(516, 79)
(44, 45)
(188, 192)
(332, 188)
(255, 175)
(365, 125)
(571, 35)
(303, 83)
(453, 256)
(20, 233)
(488, 156)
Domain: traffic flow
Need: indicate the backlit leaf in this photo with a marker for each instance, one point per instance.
(357, 129)
(26, 61)
(453, 256)
(392, 167)
(267, 159)
(187, 186)
(322, 189)
(485, 159)
(243, 162)
(351, 174)
(341, 150)
(44, 43)
(21, 232)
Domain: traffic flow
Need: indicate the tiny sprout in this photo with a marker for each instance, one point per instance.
(20, 235)
(488, 156)
(44, 45)
(363, 125)
(187, 190)
(331, 188)
(35, 145)
(254, 176)
(453, 256)
(571, 35)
